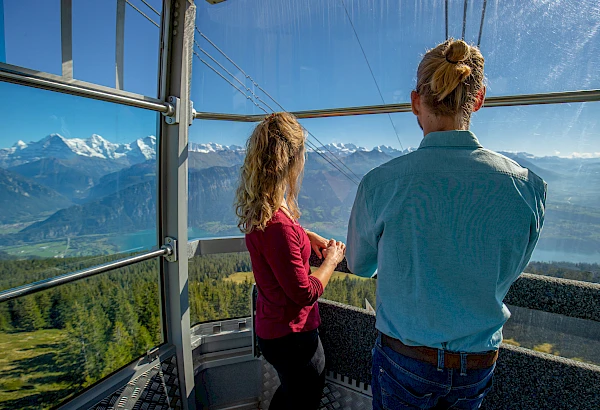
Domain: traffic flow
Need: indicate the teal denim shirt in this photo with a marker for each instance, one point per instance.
(448, 227)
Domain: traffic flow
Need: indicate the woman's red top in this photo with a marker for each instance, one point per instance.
(287, 293)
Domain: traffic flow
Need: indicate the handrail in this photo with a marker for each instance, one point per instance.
(45, 284)
(81, 91)
(502, 101)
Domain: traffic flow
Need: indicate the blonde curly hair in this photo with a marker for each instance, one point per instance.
(272, 169)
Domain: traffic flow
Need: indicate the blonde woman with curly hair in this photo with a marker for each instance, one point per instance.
(287, 316)
(449, 227)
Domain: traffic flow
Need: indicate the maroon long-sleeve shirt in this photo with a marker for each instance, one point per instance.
(287, 293)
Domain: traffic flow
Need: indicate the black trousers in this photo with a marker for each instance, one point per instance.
(300, 363)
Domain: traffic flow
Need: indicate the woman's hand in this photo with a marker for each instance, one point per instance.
(335, 251)
(317, 242)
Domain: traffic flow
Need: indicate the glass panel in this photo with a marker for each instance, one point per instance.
(57, 342)
(555, 334)
(31, 34)
(561, 143)
(142, 48)
(305, 54)
(220, 287)
(32, 39)
(77, 179)
(215, 156)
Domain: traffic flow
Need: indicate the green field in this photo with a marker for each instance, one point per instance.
(30, 377)
(240, 277)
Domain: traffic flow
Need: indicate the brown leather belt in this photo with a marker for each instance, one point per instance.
(430, 355)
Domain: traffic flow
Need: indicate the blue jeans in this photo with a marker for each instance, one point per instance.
(399, 382)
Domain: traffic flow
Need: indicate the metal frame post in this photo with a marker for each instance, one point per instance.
(2, 36)
(120, 44)
(178, 33)
(66, 38)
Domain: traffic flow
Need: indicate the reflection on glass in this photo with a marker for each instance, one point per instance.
(78, 179)
(220, 287)
(555, 334)
(305, 54)
(57, 342)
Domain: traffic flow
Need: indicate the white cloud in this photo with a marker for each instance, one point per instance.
(583, 155)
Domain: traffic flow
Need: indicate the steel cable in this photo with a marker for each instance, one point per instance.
(465, 19)
(151, 8)
(232, 75)
(143, 14)
(230, 83)
(280, 106)
(308, 142)
(372, 74)
(481, 24)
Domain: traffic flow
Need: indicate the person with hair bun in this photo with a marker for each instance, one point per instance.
(448, 228)
(287, 313)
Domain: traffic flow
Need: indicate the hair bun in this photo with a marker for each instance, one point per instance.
(457, 52)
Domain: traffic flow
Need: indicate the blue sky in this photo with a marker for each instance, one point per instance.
(305, 54)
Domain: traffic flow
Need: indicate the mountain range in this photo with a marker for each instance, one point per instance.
(59, 187)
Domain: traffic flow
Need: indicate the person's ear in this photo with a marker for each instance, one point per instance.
(415, 102)
(479, 99)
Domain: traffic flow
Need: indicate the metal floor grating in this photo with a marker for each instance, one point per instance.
(155, 389)
(339, 393)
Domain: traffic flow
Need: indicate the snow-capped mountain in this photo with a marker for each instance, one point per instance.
(212, 147)
(344, 150)
(340, 149)
(57, 146)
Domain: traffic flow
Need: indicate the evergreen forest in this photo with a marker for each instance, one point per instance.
(56, 343)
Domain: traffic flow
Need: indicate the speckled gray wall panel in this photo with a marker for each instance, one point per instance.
(566, 297)
(348, 334)
(524, 379)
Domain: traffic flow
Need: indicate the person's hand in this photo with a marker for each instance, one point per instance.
(317, 242)
(335, 251)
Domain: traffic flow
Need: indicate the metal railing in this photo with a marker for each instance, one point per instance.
(90, 91)
(45, 284)
(503, 101)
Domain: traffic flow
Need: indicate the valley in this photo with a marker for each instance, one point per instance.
(73, 197)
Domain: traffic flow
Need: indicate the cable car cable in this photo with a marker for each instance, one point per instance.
(233, 76)
(151, 8)
(481, 25)
(310, 144)
(446, 12)
(273, 99)
(143, 14)
(465, 20)
(230, 83)
(371, 70)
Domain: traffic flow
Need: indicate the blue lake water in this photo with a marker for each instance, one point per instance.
(147, 239)
(543, 255)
